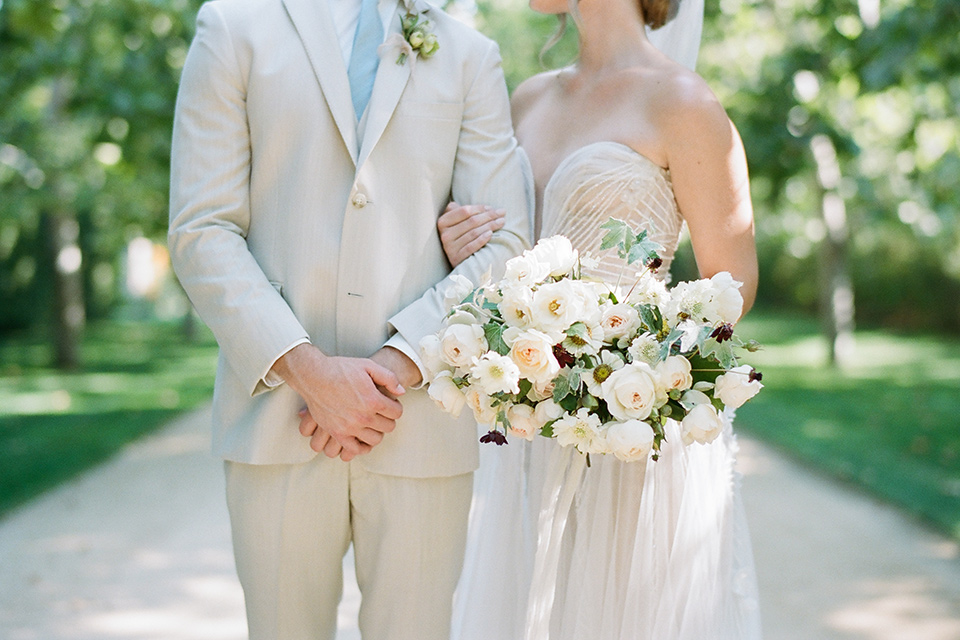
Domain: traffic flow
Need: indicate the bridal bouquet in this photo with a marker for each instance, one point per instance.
(598, 366)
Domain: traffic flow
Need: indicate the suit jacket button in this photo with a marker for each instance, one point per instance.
(360, 201)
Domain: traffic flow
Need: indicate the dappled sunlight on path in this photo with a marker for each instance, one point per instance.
(834, 563)
(139, 549)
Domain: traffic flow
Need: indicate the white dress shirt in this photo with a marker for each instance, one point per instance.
(346, 15)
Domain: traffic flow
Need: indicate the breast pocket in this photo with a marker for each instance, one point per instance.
(449, 111)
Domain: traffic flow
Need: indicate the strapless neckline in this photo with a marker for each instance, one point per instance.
(590, 147)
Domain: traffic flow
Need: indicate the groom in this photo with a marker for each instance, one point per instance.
(308, 173)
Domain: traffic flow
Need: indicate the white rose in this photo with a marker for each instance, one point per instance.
(460, 287)
(557, 253)
(547, 410)
(541, 391)
(578, 430)
(631, 392)
(461, 343)
(496, 374)
(526, 270)
(619, 321)
(532, 352)
(481, 404)
(523, 421)
(446, 394)
(645, 348)
(727, 299)
(516, 307)
(554, 306)
(675, 373)
(735, 387)
(630, 440)
(701, 424)
(430, 354)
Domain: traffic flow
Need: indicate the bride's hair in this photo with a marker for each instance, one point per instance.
(656, 13)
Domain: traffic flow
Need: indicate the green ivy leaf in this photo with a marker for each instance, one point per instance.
(644, 250)
(493, 331)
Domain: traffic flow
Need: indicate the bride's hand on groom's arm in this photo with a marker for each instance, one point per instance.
(351, 401)
(465, 229)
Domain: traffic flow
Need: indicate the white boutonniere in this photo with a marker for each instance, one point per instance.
(417, 36)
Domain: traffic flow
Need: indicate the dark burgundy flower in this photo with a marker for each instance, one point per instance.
(755, 375)
(655, 263)
(496, 437)
(564, 357)
(723, 332)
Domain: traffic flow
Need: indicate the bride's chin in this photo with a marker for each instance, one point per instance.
(550, 7)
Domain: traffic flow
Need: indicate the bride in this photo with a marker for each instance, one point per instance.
(626, 551)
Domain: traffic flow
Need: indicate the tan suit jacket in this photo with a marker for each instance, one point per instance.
(283, 225)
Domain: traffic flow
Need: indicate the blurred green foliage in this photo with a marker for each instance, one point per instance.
(88, 88)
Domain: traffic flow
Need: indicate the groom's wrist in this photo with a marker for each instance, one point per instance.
(400, 364)
(290, 366)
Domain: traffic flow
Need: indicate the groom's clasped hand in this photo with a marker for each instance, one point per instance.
(351, 403)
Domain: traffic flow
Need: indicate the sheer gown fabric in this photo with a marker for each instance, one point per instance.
(618, 551)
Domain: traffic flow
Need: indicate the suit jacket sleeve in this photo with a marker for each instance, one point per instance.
(490, 169)
(210, 210)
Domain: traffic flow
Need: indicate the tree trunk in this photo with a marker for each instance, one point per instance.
(836, 287)
(69, 316)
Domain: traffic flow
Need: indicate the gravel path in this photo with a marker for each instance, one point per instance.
(139, 549)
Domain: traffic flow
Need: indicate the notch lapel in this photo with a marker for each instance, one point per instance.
(388, 86)
(314, 24)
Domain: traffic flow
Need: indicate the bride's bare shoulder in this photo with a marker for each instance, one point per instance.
(683, 102)
(528, 92)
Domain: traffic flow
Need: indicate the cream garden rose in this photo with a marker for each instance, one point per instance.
(631, 392)
(675, 373)
(631, 440)
(619, 321)
(461, 344)
(701, 424)
(532, 351)
(523, 421)
(481, 404)
(446, 394)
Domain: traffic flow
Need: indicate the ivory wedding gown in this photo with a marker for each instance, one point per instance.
(617, 551)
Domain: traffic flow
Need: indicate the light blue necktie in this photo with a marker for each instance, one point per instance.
(364, 58)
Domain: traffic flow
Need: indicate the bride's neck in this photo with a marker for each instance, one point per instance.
(612, 36)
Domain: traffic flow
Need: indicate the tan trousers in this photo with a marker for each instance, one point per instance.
(292, 525)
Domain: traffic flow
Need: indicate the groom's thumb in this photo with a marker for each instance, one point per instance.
(385, 378)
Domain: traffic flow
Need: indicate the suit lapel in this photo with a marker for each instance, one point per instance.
(314, 24)
(388, 86)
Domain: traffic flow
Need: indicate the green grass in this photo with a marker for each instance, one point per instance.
(54, 425)
(890, 421)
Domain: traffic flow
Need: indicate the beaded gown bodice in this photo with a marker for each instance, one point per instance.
(606, 180)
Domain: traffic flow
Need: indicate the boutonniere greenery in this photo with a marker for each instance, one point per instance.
(418, 34)
(416, 40)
